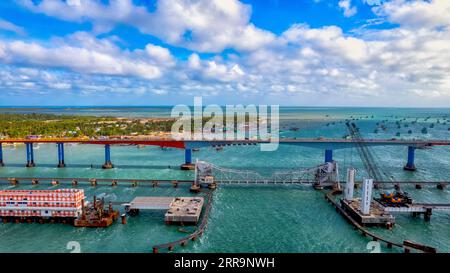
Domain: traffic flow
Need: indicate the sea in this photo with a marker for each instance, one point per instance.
(244, 218)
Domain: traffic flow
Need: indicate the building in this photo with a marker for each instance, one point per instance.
(60, 203)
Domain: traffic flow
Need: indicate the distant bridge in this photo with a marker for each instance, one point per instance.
(188, 145)
(192, 144)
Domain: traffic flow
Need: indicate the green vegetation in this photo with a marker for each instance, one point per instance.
(48, 125)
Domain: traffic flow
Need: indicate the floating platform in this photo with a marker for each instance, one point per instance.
(180, 210)
(377, 217)
(184, 211)
(150, 203)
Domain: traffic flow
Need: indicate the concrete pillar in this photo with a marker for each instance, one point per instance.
(108, 164)
(328, 156)
(61, 163)
(1, 155)
(366, 196)
(187, 160)
(427, 215)
(410, 164)
(188, 156)
(350, 185)
(30, 155)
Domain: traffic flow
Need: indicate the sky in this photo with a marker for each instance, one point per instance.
(166, 52)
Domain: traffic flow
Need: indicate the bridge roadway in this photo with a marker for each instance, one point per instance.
(189, 145)
(321, 143)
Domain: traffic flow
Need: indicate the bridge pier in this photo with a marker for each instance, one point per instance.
(427, 215)
(108, 164)
(328, 156)
(61, 163)
(30, 155)
(1, 155)
(410, 164)
(187, 160)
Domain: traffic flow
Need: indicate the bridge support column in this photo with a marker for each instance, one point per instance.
(427, 215)
(328, 156)
(410, 164)
(108, 164)
(61, 163)
(188, 160)
(30, 155)
(1, 155)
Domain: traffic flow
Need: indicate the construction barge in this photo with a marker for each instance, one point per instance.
(95, 215)
(61, 205)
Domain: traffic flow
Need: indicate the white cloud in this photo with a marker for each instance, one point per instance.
(349, 11)
(160, 54)
(74, 2)
(194, 61)
(388, 67)
(203, 25)
(6, 25)
(416, 14)
(86, 54)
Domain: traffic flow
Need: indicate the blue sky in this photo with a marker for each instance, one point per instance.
(163, 52)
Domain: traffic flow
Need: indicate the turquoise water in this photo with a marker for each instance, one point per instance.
(243, 218)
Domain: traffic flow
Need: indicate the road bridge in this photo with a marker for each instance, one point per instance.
(328, 145)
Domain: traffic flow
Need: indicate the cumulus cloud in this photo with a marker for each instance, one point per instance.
(87, 54)
(202, 25)
(212, 70)
(346, 6)
(434, 13)
(389, 66)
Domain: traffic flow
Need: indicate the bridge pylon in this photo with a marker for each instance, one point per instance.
(188, 165)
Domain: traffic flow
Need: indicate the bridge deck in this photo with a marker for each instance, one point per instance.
(169, 142)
